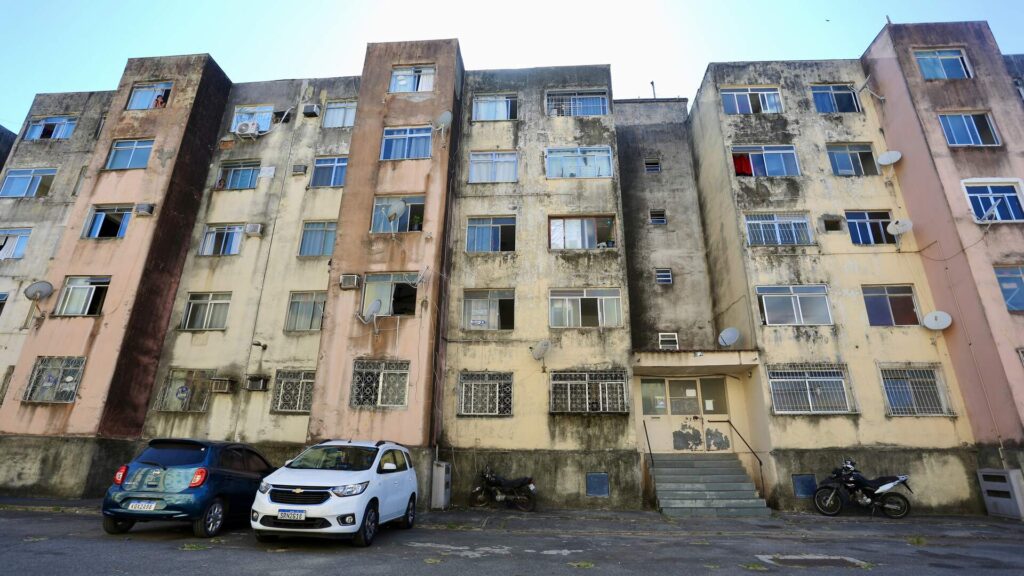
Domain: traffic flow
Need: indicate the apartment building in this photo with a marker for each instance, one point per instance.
(7, 139)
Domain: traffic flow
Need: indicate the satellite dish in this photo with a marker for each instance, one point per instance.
(899, 227)
(889, 158)
(39, 290)
(443, 121)
(728, 337)
(937, 320)
(540, 349)
(394, 210)
(375, 307)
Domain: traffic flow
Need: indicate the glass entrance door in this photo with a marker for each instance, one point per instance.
(687, 415)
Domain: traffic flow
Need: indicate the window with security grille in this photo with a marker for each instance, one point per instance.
(305, 311)
(914, 391)
(835, 98)
(239, 175)
(890, 305)
(27, 183)
(52, 128)
(493, 167)
(751, 100)
(794, 305)
(995, 202)
(489, 310)
(585, 308)
(339, 114)
(379, 383)
(485, 394)
(293, 391)
(810, 389)
(412, 79)
(185, 390)
(55, 379)
(780, 229)
(577, 103)
(589, 392)
(771, 161)
(662, 275)
(591, 162)
(329, 172)
(1011, 284)
(13, 242)
(223, 240)
(969, 129)
(852, 160)
(867, 228)
(947, 64)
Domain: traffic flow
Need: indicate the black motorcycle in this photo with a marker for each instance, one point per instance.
(847, 484)
(519, 492)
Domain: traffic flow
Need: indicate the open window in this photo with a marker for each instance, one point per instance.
(108, 222)
(582, 233)
(395, 291)
(83, 295)
(397, 214)
(150, 95)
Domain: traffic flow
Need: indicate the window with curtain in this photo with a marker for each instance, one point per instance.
(406, 143)
(305, 311)
(317, 238)
(765, 161)
(591, 162)
(83, 296)
(495, 107)
(412, 79)
(489, 310)
(13, 242)
(206, 311)
(582, 233)
(339, 114)
(222, 240)
(586, 308)
(493, 167)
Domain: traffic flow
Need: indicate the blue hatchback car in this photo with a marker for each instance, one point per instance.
(198, 481)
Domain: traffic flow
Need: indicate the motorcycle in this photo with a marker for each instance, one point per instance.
(847, 484)
(518, 492)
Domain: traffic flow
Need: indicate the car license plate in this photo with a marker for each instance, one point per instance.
(291, 514)
(142, 505)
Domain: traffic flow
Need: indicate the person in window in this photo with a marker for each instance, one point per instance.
(159, 101)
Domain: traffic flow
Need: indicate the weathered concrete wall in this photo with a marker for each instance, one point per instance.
(61, 466)
(7, 139)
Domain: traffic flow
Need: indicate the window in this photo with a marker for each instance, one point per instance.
(582, 233)
(329, 172)
(578, 103)
(185, 391)
(589, 308)
(852, 160)
(491, 234)
(995, 202)
(495, 107)
(485, 394)
(914, 391)
(305, 311)
(108, 222)
(261, 115)
(1011, 283)
(339, 114)
(810, 389)
(28, 183)
(396, 292)
(386, 217)
(206, 311)
(493, 167)
(239, 175)
(406, 143)
(832, 222)
(594, 162)
(412, 79)
(294, 391)
(765, 161)
(652, 166)
(4, 296)
(152, 95)
(662, 275)
(943, 64)
(868, 228)
(13, 242)
(794, 305)
(832, 98)
(890, 305)
(225, 240)
(129, 154)
(779, 229)
(317, 238)
(969, 129)
(668, 341)
(658, 217)
(83, 295)
(489, 310)
(52, 128)
(379, 383)
(589, 392)
(751, 100)
(55, 379)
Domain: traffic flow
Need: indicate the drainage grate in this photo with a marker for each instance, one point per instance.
(813, 561)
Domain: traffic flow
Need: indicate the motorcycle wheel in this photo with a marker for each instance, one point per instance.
(478, 499)
(525, 502)
(827, 501)
(895, 505)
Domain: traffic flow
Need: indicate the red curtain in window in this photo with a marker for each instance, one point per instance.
(742, 164)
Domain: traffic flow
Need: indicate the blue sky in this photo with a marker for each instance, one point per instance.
(69, 45)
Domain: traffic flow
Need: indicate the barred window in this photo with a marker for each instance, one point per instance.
(810, 389)
(778, 229)
(185, 391)
(294, 391)
(485, 394)
(380, 383)
(55, 379)
(578, 103)
(589, 392)
(914, 391)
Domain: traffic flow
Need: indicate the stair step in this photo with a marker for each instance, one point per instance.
(716, 512)
(684, 472)
(669, 485)
(717, 463)
(695, 456)
(690, 478)
(735, 503)
(664, 495)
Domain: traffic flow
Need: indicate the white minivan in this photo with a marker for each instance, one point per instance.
(338, 488)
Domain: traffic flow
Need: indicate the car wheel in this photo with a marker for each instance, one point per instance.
(409, 519)
(210, 523)
(115, 526)
(368, 529)
(264, 538)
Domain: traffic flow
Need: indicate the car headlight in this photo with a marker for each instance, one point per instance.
(264, 487)
(350, 489)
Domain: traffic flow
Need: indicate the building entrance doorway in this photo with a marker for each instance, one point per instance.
(686, 414)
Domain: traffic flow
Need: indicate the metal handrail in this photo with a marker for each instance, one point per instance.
(760, 464)
(648, 443)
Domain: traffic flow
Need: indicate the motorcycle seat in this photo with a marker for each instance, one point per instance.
(515, 482)
(882, 481)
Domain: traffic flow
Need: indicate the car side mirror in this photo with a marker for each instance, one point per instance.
(388, 467)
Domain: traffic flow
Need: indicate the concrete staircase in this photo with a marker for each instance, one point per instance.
(705, 485)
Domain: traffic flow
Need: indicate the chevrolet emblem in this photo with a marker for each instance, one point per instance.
(297, 490)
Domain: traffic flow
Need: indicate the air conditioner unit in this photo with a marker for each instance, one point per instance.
(248, 129)
(255, 230)
(144, 209)
(220, 385)
(311, 110)
(349, 281)
(257, 383)
(298, 169)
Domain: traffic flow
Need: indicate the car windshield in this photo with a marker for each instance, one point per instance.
(335, 458)
(169, 454)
